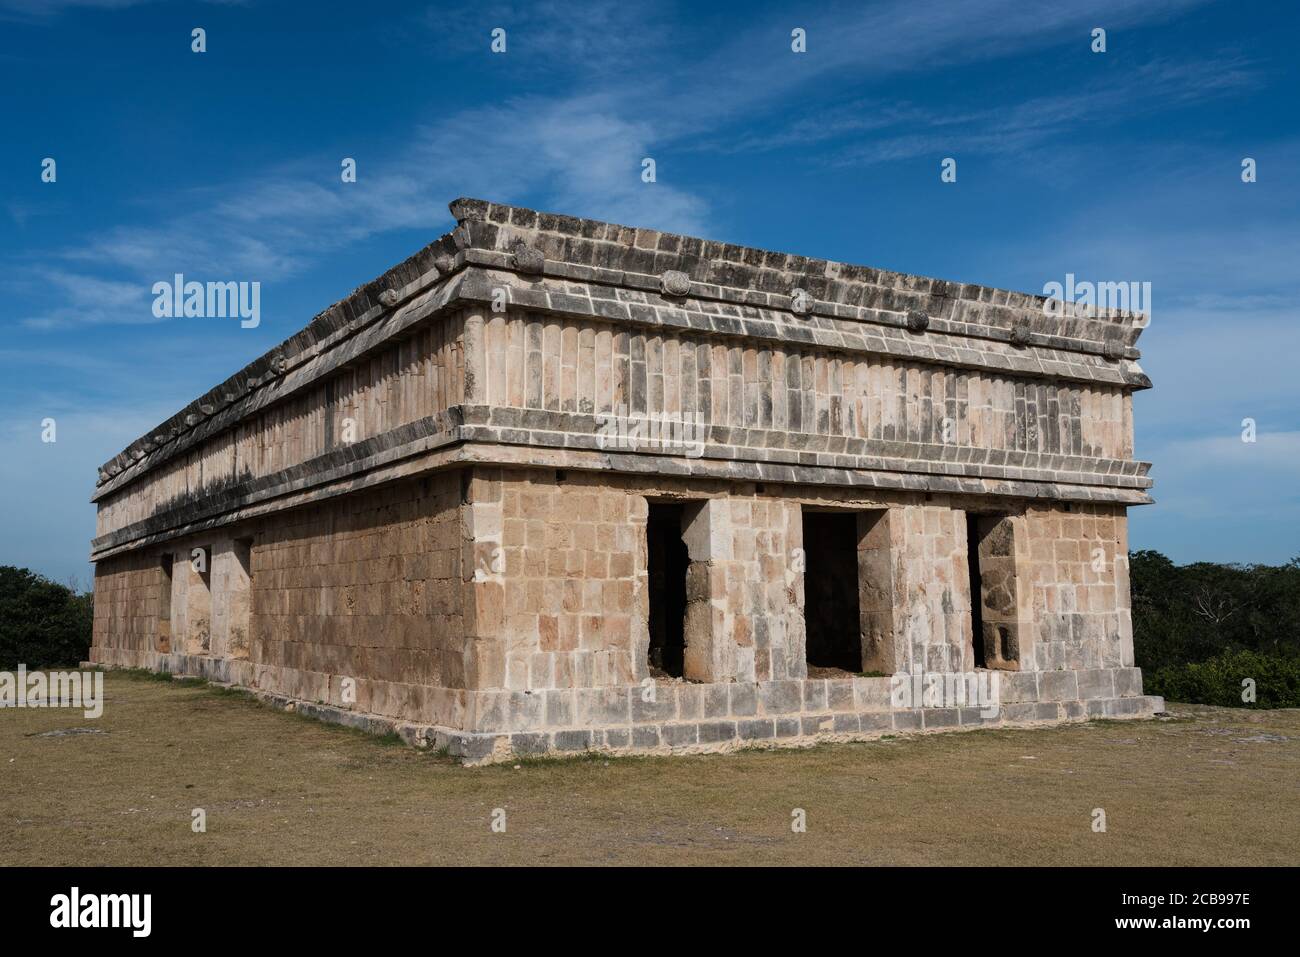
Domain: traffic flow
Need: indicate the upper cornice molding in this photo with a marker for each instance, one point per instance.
(744, 292)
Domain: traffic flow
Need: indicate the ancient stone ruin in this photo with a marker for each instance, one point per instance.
(554, 484)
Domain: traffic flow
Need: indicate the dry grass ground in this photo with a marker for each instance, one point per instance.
(1209, 786)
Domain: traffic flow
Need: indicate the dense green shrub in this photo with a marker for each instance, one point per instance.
(42, 623)
(1220, 680)
(1199, 629)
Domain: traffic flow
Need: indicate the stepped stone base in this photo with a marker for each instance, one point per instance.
(684, 718)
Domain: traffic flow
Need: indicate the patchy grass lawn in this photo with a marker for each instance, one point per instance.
(1209, 786)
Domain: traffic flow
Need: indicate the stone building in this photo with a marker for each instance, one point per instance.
(555, 484)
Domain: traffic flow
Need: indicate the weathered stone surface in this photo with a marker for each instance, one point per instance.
(529, 259)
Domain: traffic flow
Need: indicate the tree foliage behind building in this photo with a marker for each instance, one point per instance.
(1200, 630)
(42, 623)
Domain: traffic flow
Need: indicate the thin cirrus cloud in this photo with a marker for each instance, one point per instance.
(572, 152)
(852, 41)
(89, 300)
(41, 10)
(1020, 128)
(579, 154)
(1193, 475)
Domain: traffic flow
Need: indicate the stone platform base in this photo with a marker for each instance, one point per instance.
(683, 718)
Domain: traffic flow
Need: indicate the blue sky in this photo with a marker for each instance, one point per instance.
(1115, 166)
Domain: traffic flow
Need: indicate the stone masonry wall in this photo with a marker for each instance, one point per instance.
(500, 611)
(932, 604)
(570, 365)
(368, 587)
(562, 593)
(561, 589)
(1076, 568)
(559, 581)
(127, 602)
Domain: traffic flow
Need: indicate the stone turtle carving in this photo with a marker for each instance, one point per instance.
(801, 302)
(675, 283)
(529, 259)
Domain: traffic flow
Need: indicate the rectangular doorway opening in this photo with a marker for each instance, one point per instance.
(973, 536)
(994, 591)
(831, 609)
(667, 562)
(164, 637)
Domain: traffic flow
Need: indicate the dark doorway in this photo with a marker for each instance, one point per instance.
(834, 629)
(667, 561)
(973, 536)
(163, 641)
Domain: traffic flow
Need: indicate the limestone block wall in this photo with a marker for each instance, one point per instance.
(369, 586)
(232, 599)
(1000, 553)
(559, 581)
(932, 605)
(880, 541)
(505, 610)
(1076, 588)
(510, 578)
(192, 599)
(538, 361)
(128, 590)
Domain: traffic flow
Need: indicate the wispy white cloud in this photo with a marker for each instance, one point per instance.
(576, 151)
(580, 153)
(89, 300)
(1222, 476)
(850, 42)
(596, 38)
(49, 8)
(1019, 128)
(36, 11)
